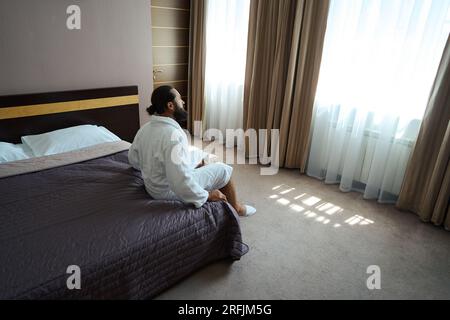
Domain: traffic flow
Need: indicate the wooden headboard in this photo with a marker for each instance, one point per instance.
(117, 109)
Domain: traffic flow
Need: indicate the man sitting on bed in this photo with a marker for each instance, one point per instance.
(160, 152)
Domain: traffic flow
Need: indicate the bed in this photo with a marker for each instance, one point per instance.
(88, 208)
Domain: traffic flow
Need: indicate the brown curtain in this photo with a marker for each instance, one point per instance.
(197, 56)
(426, 187)
(283, 60)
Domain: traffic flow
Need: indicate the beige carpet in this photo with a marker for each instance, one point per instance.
(308, 240)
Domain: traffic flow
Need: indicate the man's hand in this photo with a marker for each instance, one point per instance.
(201, 164)
(216, 195)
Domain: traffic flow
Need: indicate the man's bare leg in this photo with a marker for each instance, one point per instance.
(230, 192)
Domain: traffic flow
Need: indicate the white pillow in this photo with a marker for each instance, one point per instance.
(13, 152)
(68, 139)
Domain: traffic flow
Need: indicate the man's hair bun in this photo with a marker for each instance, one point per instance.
(151, 110)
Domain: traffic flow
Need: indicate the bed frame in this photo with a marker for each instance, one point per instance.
(116, 108)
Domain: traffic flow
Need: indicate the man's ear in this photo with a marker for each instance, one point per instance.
(171, 106)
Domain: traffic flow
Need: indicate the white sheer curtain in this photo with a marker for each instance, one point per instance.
(226, 49)
(379, 63)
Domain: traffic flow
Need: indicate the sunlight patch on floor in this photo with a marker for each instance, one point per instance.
(310, 201)
(283, 201)
(287, 191)
(357, 219)
(316, 208)
(296, 207)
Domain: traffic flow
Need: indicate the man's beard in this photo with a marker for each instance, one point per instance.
(180, 115)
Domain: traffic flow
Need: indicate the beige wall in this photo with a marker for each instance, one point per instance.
(113, 48)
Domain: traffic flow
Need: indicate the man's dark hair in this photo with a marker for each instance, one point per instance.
(161, 96)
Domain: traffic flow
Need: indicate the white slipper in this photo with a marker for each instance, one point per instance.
(249, 211)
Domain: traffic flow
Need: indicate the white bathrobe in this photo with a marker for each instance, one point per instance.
(160, 151)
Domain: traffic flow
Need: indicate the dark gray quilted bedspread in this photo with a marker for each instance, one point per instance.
(97, 215)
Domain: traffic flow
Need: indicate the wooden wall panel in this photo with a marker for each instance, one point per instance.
(171, 72)
(183, 4)
(170, 37)
(163, 17)
(167, 55)
(170, 30)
